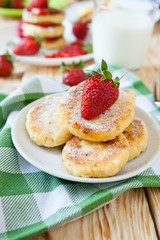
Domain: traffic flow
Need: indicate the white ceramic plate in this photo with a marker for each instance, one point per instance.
(9, 34)
(74, 11)
(49, 159)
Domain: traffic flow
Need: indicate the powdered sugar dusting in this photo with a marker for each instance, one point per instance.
(92, 159)
(110, 119)
(45, 124)
(94, 151)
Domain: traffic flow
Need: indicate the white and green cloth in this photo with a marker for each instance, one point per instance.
(32, 201)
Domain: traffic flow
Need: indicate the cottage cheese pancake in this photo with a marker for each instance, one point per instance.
(104, 127)
(45, 125)
(137, 136)
(53, 44)
(35, 30)
(53, 16)
(94, 159)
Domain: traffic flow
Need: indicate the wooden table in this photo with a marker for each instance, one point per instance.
(133, 215)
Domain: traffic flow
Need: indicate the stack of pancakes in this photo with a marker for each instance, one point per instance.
(45, 23)
(99, 147)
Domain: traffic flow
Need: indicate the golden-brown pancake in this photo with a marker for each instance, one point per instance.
(137, 136)
(95, 159)
(55, 17)
(55, 44)
(45, 125)
(47, 32)
(104, 127)
(86, 15)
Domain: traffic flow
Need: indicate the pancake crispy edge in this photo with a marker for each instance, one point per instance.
(137, 136)
(95, 159)
(45, 125)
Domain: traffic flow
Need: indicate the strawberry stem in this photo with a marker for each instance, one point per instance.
(105, 74)
(9, 57)
(39, 39)
(64, 67)
(88, 47)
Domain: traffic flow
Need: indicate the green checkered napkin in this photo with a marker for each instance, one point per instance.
(32, 201)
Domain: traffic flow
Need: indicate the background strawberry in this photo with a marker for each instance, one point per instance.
(6, 64)
(72, 49)
(80, 30)
(12, 3)
(38, 3)
(19, 28)
(17, 4)
(100, 93)
(27, 46)
(73, 74)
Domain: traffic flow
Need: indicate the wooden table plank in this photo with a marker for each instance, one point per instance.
(153, 195)
(13, 81)
(127, 217)
(151, 62)
(152, 59)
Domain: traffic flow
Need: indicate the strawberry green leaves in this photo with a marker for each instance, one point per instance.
(104, 65)
(88, 47)
(64, 67)
(105, 74)
(9, 57)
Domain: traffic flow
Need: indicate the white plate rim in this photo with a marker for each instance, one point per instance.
(38, 59)
(42, 61)
(154, 128)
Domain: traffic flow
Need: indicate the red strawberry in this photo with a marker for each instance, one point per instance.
(77, 43)
(70, 50)
(80, 30)
(73, 74)
(17, 4)
(28, 46)
(19, 28)
(100, 92)
(6, 64)
(38, 3)
(45, 25)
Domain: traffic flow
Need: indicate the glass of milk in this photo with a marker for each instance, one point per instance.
(121, 31)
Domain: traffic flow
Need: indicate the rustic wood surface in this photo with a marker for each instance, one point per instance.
(127, 217)
(133, 215)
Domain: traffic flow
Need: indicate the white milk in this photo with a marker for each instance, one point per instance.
(121, 37)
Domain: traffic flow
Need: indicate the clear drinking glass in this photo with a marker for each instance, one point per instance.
(121, 30)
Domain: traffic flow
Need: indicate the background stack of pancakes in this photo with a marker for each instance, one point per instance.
(99, 147)
(45, 23)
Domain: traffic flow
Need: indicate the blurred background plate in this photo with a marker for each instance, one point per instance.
(9, 35)
(9, 31)
(74, 11)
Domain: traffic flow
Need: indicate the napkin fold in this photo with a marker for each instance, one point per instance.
(32, 201)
